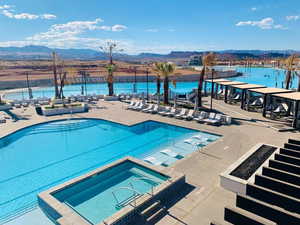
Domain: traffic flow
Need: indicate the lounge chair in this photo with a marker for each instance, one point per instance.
(189, 116)
(150, 107)
(132, 104)
(181, 114)
(154, 110)
(211, 118)
(171, 153)
(154, 161)
(140, 107)
(171, 113)
(166, 109)
(139, 104)
(201, 138)
(201, 117)
(192, 141)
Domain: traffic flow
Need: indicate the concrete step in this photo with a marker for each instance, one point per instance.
(290, 152)
(268, 211)
(292, 146)
(281, 175)
(272, 197)
(277, 185)
(151, 209)
(239, 216)
(294, 141)
(287, 159)
(291, 168)
(156, 216)
(218, 223)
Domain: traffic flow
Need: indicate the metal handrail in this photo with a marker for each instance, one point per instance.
(149, 179)
(135, 194)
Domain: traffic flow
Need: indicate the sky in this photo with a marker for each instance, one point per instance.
(157, 26)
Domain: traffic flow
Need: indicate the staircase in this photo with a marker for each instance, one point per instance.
(274, 197)
(152, 213)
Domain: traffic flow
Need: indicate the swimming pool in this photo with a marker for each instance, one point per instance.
(110, 190)
(255, 75)
(42, 156)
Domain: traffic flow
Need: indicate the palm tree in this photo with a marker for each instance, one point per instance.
(164, 70)
(111, 68)
(289, 67)
(207, 60)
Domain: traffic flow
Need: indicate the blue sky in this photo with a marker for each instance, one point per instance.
(152, 26)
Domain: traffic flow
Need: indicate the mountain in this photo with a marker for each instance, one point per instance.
(33, 52)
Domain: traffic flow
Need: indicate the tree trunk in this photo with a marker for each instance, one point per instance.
(55, 75)
(200, 86)
(288, 79)
(110, 84)
(298, 88)
(158, 85)
(166, 90)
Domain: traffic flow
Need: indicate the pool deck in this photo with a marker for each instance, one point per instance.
(204, 199)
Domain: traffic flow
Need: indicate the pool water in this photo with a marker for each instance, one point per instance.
(102, 195)
(42, 156)
(269, 77)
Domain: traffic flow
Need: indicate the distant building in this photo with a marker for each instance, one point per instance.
(195, 60)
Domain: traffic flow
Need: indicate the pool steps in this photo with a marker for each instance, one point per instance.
(153, 212)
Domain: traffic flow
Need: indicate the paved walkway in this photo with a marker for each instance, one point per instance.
(203, 199)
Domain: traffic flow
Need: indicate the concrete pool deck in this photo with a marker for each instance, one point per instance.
(204, 199)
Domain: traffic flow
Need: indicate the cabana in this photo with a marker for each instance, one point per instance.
(227, 85)
(245, 88)
(292, 97)
(213, 82)
(266, 93)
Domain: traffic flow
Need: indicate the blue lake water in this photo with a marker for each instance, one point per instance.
(264, 76)
(42, 156)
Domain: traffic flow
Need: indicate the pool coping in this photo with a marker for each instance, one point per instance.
(68, 216)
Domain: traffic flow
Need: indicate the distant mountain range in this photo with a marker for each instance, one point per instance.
(33, 52)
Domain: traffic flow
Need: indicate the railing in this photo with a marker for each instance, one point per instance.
(148, 179)
(128, 200)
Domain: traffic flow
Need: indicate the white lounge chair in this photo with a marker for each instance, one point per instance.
(137, 106)
(154, 110)
(171, 153)
(141, 107)
(153, 161)
(192, 141)
(166, 110)
(213, 119)
(131, 105)
(171, 113)
(189, 116)
(181, 114)
(150, 107)
(201, 138)
(201, 117)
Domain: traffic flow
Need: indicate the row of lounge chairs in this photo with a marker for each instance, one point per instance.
(195, 141)
(184, 114)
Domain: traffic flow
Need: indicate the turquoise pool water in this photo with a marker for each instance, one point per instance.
(100, 196)
(257, 75)
(42, 156)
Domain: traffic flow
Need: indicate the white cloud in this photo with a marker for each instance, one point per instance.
(289, 18)
(253, 9)
(265, 24)
(48, 16)
(5, 6)
(152, 30)
(118, 28)
(7, 11)
(69, 35)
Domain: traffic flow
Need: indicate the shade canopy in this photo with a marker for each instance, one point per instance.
(230, 83)
(271, 90)
(217, 80)
(294, 96)
(248, 86)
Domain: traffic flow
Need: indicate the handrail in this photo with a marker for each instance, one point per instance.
(135, 193)
(149, 179)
